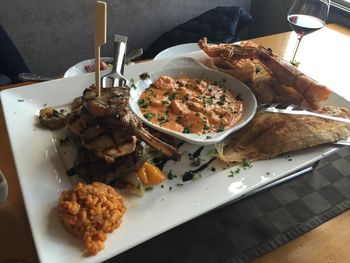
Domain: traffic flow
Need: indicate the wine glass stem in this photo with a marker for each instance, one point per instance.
(296, 48)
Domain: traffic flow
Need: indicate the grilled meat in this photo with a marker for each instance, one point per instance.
(111, 110)
(92, 168)
(105, 143)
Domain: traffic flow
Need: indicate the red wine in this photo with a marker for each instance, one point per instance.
(304, 24)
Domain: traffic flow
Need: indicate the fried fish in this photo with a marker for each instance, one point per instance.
(271, 134)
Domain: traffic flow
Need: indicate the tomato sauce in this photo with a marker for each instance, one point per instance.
(190, 105)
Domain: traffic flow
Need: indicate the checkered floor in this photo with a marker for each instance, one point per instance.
(242, 231)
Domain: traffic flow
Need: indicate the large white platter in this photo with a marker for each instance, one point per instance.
(41, 166)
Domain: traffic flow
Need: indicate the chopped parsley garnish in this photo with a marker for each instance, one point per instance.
(179, 83)
(143, 103)
(178, 184)
(191, 106)
(149, 188)
(222, 100)
(205, 126)
(178, 118)
(213, 169)
(163, 118)
(170, 175)
(165, 102)
(198, 81)
(208, 137)
(232, 174)
(21, 100)
(172, 96)
(220, 128)
(144, 76)
(198, 114)
(185, 98)
(247, 164)
(187, 129)
(239, 97)
(58, 114)
(149, 116)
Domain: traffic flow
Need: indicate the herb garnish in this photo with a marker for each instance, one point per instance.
(170, 175)
(149, 116)
(172, 96)
(144, 76)
(187, 129)
(185, 98)
(178, 118)
(247, 164)
(220, 128)
(239, 97)
(163, 118)
(179, 83)
(143, 103)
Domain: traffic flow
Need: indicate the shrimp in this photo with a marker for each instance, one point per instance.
(312, 91)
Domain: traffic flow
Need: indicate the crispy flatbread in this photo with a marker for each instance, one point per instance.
(272, 134)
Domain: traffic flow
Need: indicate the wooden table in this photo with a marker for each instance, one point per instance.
(324, 55)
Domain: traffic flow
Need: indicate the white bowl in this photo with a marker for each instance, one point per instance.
(177, 50)
(190, 67)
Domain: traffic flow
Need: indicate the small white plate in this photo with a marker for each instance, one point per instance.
(78, 69)
(190, 67)
(177, 50)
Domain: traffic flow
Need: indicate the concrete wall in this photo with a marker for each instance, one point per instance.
(52, 35)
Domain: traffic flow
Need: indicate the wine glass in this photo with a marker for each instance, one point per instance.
(305, 17)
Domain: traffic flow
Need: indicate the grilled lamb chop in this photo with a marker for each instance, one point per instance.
(111, 110)
(106, 143)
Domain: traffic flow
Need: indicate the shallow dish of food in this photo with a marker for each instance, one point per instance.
(192, 102)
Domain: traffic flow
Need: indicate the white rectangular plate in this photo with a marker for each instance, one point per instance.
(41, 167)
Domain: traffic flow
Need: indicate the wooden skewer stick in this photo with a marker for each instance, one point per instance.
(100, 39)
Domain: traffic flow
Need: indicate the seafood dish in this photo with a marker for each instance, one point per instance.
(190, 105)
(278, 78)
(271, 134)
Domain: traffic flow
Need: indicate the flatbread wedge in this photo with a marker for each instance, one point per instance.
(271, 134)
